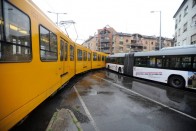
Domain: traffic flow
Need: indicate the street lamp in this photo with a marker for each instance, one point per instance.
(160, 28)
(57, 15)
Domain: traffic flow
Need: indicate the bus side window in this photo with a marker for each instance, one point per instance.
(159, 62)
(152, 62)
(186, 62)
(194, 62)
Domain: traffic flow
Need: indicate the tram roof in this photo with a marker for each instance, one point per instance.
(181, 50)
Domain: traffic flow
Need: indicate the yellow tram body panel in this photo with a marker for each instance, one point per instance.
(103, 59)
(97, 60)
(83, 59)
(24, 85)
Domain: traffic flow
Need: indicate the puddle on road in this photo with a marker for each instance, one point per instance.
(94, 92)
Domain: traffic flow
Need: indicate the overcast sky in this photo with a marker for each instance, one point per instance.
(127, 16)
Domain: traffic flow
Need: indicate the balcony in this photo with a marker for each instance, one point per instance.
(135, 50)
(139, 46)
(104, 40)
(156, 47)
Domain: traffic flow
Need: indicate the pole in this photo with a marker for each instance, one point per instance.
(160, 46)
(57, 15)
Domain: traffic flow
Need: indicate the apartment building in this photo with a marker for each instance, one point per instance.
(185, 23)
(109, 41)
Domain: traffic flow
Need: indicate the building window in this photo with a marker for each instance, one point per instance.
(193, 39)
(152, 43)
(121, 42)
(15, 26)
(194, 20)
(186, 11)
(176, 21)
(179, 18)
(178, 32)
(127, 40)
(185, 27)
(184, 42)
(120, 48)
(194, 3)
(145, 47)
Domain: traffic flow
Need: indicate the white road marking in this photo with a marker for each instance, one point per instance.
(148, 98)
(86, 110)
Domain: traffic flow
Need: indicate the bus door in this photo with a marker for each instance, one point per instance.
(64, 61)
(128, 64)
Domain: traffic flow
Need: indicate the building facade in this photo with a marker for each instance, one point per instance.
(185, 23)
(109, 41)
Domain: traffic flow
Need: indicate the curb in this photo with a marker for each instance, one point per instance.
(64, 120)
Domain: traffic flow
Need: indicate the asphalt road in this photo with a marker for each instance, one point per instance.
(106, 101)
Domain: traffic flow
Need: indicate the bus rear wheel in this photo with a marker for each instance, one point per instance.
(119, 70)
(176, 81)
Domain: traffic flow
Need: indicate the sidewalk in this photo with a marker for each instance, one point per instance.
(64, 120)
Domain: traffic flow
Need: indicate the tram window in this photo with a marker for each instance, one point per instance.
(89, 56)
(1, 25)
(79, 55)
(53, 42)
(16, 47)
(84, 55)
(71, 53)
(63, 53)
(103, 58)
(108, 60)
(94, 56)
(48, 45)
(61, 50)
(99, 57)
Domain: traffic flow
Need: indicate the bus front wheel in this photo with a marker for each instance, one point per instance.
(177, 81)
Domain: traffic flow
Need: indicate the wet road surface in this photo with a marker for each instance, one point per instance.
(103, 100)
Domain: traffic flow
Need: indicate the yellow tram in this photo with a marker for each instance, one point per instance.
(36, 59)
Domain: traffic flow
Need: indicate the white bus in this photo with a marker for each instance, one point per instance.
(116, 62)
(175, 66)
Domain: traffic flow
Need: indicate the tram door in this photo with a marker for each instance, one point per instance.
(64, 60)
